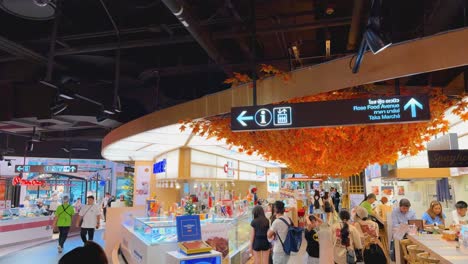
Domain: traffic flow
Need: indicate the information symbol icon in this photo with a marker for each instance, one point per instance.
(263, 117)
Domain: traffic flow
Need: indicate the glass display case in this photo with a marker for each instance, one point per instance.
(162, 230)
(156, 230)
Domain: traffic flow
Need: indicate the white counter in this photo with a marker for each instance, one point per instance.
(441, 249)
(136, 250)
(15, 231)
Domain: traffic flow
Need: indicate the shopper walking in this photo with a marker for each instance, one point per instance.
(369, 233)
(78, 205)
(279, 228)
(63, 220)
(105, 204)
(345, 240)
(259, 245)
(88, 220)
(312, 239)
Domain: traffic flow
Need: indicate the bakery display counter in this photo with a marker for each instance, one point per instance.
(151, 237)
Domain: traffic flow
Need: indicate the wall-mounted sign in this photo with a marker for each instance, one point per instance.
(46, 168)
(19, 181)
(229, 169)
(159, 167)
(447, 158)
(382, 110)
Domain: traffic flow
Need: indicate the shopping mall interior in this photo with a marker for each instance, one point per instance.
(128, 119)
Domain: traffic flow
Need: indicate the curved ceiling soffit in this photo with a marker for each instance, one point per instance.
(399, 60)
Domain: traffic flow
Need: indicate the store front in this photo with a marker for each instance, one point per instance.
(217, 188)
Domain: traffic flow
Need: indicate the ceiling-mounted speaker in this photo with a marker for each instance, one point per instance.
(30, 9)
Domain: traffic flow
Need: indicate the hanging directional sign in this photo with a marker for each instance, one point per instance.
(46, 168)
(381, 110)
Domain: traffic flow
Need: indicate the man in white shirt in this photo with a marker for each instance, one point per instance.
(459, 215)
(279, 228)
(91, 216)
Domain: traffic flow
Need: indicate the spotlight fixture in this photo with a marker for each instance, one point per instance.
(109, 112)
(58, 108)
(30, 146)
(101, 116)
(373, 38)
(376, 41)
(30, 9)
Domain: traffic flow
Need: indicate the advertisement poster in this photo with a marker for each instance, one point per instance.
(387, 190)
(2, 204)
(2, 190)
(401, 190)
(216, 235)
(356, 199)
(375, 190)
(142, 180)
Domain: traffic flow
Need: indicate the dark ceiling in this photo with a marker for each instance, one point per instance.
(164, 63)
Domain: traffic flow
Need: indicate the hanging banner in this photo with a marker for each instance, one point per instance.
(142, 180)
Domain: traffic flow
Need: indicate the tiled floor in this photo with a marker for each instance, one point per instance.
(46, 252)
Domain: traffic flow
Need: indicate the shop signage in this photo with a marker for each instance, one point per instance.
(381, 110)
(129, 169)
(447, 158)
(19, 181)
(229, 168)
(159, 167)
(46, 168)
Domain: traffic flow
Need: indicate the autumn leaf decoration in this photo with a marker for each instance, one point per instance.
(336, 150)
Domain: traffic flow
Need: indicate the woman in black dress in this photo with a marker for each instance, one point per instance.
(259, 245)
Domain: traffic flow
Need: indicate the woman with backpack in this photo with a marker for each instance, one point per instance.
(259, 245)
(346, 240)
(369, 232)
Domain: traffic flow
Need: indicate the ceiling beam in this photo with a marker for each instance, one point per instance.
(20, 51)
(171, 40)
(403, 59)
(182, 12)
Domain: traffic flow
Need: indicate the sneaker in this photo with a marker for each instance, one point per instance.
(60, 249)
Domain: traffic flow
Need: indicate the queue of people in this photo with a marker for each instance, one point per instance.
(353, 238)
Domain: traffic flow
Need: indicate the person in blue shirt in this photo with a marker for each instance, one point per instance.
(402, 214)
(434, 215)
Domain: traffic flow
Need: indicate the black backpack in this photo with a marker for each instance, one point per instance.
(316, 204)
(327, 206)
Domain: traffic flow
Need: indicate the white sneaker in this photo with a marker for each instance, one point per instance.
(60, 249)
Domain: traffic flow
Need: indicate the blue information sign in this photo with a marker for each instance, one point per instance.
(380, 110)
(46, 168)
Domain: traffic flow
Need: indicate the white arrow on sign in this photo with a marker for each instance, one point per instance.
(413, 104)
(72, 168)
(242, 117)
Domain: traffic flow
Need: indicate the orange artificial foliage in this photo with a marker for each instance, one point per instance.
(336, 150)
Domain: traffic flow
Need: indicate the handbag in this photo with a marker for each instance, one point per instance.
(374, 254)
(350, 256)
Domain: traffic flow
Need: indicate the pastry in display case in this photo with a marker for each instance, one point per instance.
(155, 230)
